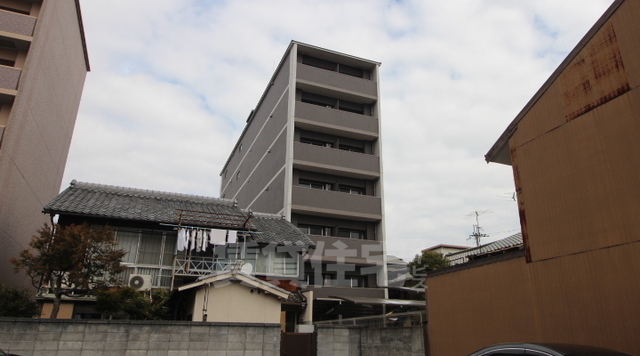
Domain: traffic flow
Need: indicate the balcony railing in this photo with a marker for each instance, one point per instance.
(200, 266)
(341, 82)
(9, 77)
(15, 23)
(333, 121)
(336, 204)
(336, 161)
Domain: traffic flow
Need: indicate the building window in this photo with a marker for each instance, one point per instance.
(351, 148)
(351, 107)
(273, 262)
(319, 100)
(352, 234)
(347, 281)
(351, 190)
(315, 142)
(314, 184)
(335, 67)
(148, 247)
(315, 230)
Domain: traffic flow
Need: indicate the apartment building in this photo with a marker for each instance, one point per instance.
(43, 65)
(311, 151)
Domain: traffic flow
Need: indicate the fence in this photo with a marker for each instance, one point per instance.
(408, 319)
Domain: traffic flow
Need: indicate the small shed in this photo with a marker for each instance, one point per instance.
(235, 296)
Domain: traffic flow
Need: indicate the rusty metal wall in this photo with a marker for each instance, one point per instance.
(587, 298)
(576, 162)
(575, 154)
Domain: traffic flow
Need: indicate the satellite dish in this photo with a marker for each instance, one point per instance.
(247, 268)
(136, 282)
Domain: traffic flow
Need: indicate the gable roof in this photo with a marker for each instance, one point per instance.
(235, 275)
(274, 228)
(492, 247)
(113, 202)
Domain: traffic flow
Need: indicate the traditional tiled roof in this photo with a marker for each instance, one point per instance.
(492, 247)
(274, 228)
(113, 202)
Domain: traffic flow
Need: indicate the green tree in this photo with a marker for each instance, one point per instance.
(427, 261)
(71, 259)
(137, 305)
(15, 303)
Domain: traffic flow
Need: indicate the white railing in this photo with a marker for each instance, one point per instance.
(198, 266)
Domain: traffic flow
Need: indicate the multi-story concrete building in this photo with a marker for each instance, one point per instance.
(311, 151)
(43, 65)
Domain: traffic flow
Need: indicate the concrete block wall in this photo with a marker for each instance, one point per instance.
(362, 341)
(31, 337)
(405, 341)
(339, 340)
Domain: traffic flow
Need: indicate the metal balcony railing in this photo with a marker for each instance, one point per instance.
(199, 266)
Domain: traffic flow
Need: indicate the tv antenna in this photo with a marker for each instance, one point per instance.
(477, 230)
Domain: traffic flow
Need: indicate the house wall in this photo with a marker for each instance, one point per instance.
(231, 302)
(32, 337)
(38, 127)
(585, 298)
(576, 153)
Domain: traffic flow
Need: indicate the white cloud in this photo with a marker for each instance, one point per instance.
(172, 83)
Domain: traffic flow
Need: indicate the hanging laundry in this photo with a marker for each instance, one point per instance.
(205, 240)
(192, 238)
(180, 242)
(218, 236)
(198, 240)
(233, 236)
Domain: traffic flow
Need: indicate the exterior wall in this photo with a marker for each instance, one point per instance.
(31, 337)
(575, 154)
(230, 302)
(586, 298)
(259, 155)
(343, 340)
(38, 127)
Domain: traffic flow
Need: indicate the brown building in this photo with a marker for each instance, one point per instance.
(43, 65)
(575, 154)
(311, 151)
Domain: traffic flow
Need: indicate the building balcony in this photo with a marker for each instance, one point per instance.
(335, 204)
(332, 249)
(354, 87)
(336, 122)
(17, 28)
(9, 77)
(335, 161)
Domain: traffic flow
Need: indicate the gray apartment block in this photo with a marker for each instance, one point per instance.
(311, 151)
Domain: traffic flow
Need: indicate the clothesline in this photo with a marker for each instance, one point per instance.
(200, 239)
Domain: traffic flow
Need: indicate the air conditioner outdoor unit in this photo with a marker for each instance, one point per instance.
(140, 281)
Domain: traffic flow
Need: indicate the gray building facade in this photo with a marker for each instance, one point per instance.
(311, 151)
(43, 65)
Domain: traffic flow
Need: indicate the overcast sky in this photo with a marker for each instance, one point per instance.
(173, 81)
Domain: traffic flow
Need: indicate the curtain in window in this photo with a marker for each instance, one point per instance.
(150, 248)
(128, 241)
